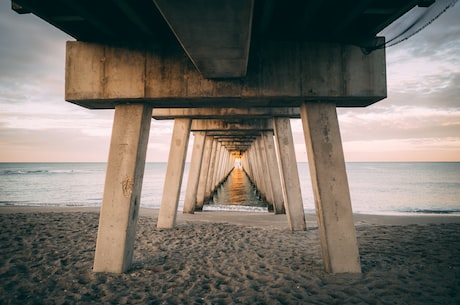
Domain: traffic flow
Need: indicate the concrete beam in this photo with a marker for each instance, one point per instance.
(214, 34)
(225, 113)
(282, 74)
(235, 133)
(230, 138)
(228, 125)
(237, 141)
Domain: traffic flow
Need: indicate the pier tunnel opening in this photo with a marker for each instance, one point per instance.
(237, 193)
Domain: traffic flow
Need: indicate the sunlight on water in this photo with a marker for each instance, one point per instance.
(236, 191)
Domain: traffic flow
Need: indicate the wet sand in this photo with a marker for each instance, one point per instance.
(46, 257)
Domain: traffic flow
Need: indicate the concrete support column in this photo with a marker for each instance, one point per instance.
(218, 164)
(247, 166)
(222, 167)
(250, 166)
(225, 165)
(194, 172)
(248, 162)
(330, 187)
(212, 166)
(122, 190)
(230, 164)
(256, 166)
(264, 189)
(204, 173)
(244, 164)
(268, 178)
(253, 166)
(289, 174)
(226, 169)
(272, 166)
(260, 173)
(174, 173)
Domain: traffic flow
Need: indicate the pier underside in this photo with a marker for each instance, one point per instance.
(232, 73)
(249, 120)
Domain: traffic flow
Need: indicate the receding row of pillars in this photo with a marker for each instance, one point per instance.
(210, 165)
(275, 175)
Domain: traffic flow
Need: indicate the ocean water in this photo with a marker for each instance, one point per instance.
(376, 188)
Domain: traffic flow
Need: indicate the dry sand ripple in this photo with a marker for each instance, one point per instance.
(46, 258)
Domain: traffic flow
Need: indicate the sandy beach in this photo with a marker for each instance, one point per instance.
(46, 257)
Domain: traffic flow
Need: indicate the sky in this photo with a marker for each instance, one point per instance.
(418, 121)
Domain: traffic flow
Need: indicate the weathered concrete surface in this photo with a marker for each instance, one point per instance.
(264, 183)
(225, 113)
(174, 173)
(289, 174)
(272, 166)
(230, 127)
(217, 164)
(214, 34)
(122, 191)
(211, 168)
(201, 191)
(194, 172)
(330, 187)
(280, 74)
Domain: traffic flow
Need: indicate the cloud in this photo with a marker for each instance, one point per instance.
(409, 149)
(28, 44)
(397, 122)
(439, 39)
(428, 64)
(420, 118)
(51, 145)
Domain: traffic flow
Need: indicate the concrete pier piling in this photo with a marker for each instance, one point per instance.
(201, 191)
(194, 172)
(210, 174)
(233, 72)
(122, 190)
(330, 188)
(289, 174)
(174, 172)
(273, 172)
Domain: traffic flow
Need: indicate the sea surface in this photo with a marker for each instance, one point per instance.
(376, 188)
